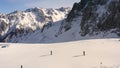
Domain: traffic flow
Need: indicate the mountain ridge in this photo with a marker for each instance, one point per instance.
(88, 19)
(30, 20)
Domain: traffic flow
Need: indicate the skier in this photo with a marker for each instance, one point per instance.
(83, 53)
(51, 53)
(21, 66)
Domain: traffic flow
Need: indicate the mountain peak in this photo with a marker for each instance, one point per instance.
(29, 20)
(87, 19)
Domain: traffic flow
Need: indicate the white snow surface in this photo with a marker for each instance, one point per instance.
(100, 53)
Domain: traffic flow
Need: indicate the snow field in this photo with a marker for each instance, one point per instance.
(100, 53)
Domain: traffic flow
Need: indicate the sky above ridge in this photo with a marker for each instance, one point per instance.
(7, 6)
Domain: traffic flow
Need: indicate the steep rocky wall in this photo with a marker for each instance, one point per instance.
(97, 16)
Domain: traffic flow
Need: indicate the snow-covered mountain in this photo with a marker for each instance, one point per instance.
(87, 19)
(23, 22)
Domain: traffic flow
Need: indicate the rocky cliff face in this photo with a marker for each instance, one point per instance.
(94, 16)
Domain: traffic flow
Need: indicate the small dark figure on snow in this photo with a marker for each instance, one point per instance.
(21, 66)
(83, 53)
(51, 53)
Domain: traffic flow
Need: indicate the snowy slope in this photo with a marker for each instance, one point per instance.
(100, 53)
(52, 35)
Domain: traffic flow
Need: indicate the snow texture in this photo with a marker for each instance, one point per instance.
(99, 53)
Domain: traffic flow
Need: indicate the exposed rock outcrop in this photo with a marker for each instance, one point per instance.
(96, 16)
